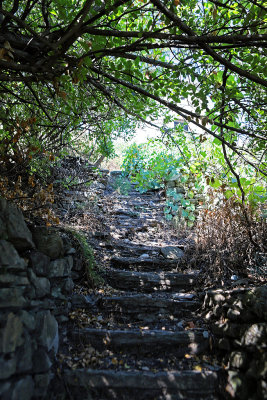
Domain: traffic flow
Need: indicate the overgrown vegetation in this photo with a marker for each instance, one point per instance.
(230, 232)
(200, 170)
(122, 185)
(75, 75)
(90, 267)
(224, 246)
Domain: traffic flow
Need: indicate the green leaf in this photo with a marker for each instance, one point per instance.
(184, 214)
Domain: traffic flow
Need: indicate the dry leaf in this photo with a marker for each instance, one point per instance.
(191, 325)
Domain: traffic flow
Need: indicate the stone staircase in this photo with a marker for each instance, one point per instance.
(142, 337)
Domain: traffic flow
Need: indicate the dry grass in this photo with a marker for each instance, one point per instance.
(223, 242)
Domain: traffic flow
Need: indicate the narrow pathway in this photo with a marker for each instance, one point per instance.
(141, 336)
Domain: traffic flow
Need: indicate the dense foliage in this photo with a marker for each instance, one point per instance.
(75, 74)
(199, 167)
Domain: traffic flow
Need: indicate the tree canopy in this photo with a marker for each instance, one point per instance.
(73, 66)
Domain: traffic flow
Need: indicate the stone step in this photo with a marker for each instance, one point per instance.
(141, 385)
(149, 281)
(141, 222)
(140, 341)
(146, 263)
(144, 307)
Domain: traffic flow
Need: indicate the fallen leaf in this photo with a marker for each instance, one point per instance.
(191, 325)
(188, 356)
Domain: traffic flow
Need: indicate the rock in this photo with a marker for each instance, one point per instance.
(57, 294)
(12, 334)
(45, 304)
(233, 315)
(145, 255)
(70, 251)
(218, 298)
(224, 344)
(24, 355)
(41, 384)
(13, 280)
(227, 329)
(17, 231)
(28, 320)
(147, 263)
(48, 331)
(7, 367)
(148, 281)
(77, 265)
(80, 301)
(42, 285)
(172, 252)
(256, 300)
(237, 385)
(4, 388)
(41, 361)
(60, 267)
(217, 311)
(262, 389)
(115, 174)
(238, 359)
(255, 335)
(143, 306)
(23, 389)
(97, 186)
(3, 228)
(144, 341)
(68, 286)
(9, 257)
(258, 367)
(39, 262)
(12, 297)
(48, 242)
(195, 384)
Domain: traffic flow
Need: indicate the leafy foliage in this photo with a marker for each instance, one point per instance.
(198, 168)
(77, 74)
(69, 67)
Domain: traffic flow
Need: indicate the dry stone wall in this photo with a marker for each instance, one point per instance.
(35, 284)
(239, 325)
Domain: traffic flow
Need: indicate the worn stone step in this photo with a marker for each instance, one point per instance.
(145, 341)
(149, 281)
(148, 263)
(141, 385)
(146, 307)
(126, 248)
(140, 223)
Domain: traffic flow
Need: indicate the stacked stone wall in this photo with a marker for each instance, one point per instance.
(35, 284)
(239, 324)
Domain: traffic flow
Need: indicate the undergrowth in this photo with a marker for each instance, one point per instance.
(122, 185)
(33, 197)
(223, 242)
(87, 254)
